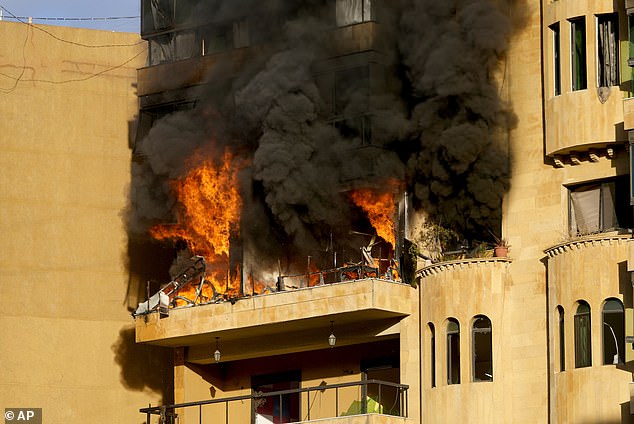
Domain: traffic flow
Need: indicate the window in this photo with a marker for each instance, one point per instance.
(583, 345)
(556, 58)
(432, 354)
(630, 37)
(561, 339)
(241, 34)
(162, 49)
(353, 11)
(156, 15)
(607, 50)
(481, 337)
(276, 409)
(216, 38)
(578, 52)
(599, 206)
(613, 332)
(453, 351)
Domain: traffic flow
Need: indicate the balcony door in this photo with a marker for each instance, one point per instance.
(276, 409)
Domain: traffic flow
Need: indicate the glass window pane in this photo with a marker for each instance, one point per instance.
(583, 339)
(482, 350)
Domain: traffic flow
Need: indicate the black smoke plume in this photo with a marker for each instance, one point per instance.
(437, 122)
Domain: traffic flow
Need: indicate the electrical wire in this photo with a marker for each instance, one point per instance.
(17, 80)
(107, 18)
(19, 19)
(20, 79)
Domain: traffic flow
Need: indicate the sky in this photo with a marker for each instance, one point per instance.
(77, 9)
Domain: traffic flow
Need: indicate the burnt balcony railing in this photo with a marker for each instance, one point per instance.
(354, 398)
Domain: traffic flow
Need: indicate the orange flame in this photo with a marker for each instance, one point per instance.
(380, 207)
(208, 214)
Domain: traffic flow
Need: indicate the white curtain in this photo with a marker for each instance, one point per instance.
(353, 11)
(585, 204)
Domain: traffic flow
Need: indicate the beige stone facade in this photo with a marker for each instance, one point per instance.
(535, 337)
(67, 109)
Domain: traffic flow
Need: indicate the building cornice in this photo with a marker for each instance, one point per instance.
(587, 241)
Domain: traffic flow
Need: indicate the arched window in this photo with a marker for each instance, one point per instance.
(561, 338)
(613, 332)
(482, 350)
(583, 344)
(432, 354)
(453, 351)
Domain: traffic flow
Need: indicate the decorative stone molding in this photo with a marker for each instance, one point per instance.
(587, 241)
(458, 264)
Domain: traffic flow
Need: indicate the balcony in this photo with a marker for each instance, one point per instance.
(282, 322)
(177, 75)
(367, 401)
(590, 268)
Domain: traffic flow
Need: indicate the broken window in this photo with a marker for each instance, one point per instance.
(157, 15)
(578, 53)
(162, 49)
(556, 58)
(583, 339)
(481, 337)
(561, 339)
(432, 353)
(599, 206)
(608, 50)
(353, 11)
(613, 332)
(453, 351)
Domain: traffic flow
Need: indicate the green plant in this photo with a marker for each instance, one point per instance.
(499, 241)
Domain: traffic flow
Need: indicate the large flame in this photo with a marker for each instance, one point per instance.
(380, 208)
(208, 215)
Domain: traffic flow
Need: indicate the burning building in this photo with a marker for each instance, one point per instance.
(328, 174)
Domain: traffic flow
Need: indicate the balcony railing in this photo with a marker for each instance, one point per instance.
(362, 397)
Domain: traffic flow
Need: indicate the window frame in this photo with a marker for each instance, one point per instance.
(613, 337)
(556, 43)
(621, 210)
(561, 337)
(614, 18)
(578, 53)
(583, 334)
(453, 355)
(474, 347)
(432, 354)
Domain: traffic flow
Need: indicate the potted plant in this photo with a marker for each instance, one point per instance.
(501, 247)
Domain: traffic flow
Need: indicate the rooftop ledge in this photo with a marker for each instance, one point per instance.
(603, 239)
(287, 314)
(459, 264)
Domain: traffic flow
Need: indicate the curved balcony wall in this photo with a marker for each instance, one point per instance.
(462, 290)
(591, 270)
(568, 131)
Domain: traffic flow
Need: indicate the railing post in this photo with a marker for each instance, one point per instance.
(200, 414)
(227, 412)
(308, 404)
(281, 409)
(380, 405)
(336, 401)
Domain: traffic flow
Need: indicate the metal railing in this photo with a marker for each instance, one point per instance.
(373, 396)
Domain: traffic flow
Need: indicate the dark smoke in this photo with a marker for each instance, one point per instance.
(459, 158)
(440, 123)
